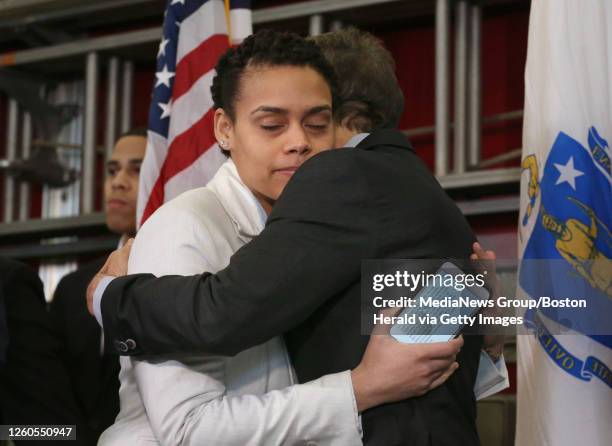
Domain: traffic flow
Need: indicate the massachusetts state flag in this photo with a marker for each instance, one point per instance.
(181, 150)
(564, 366)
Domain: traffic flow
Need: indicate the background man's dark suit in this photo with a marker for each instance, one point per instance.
(34, 387)
(301, 277)
(3, 330)
(93, 376)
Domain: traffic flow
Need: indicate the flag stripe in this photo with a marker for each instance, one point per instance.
(204, 23)
(242, 27)
(195, 34)
(198, 62)
(186, 148)
(157, 147)
(204, 167)
(189, 145)
(190, 107)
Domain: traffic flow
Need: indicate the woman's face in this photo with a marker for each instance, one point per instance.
(283, 116)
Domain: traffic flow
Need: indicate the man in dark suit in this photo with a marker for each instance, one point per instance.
(34, 385)
(3, 331)
(94, 375)
(301, 276)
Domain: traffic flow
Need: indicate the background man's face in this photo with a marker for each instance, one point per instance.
(121, 184)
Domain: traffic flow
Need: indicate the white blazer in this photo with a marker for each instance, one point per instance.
(248, 399)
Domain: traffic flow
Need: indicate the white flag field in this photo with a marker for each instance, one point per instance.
(564, 380)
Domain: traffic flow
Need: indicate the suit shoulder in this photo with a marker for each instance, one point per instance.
(77, 280)
(12, 271)
(333, 166)
(329, 181)
(19, 280)
(347, 170)
(331, 157)
(85, 271)
(350, 159)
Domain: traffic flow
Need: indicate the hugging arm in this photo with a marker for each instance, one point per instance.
(185, 396)
(187, 405)
(305, 255)
(186, 400)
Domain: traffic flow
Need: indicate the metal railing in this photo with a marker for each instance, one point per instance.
(466, 126)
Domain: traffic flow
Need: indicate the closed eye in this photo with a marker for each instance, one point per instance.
(317, 127)
(271, 128)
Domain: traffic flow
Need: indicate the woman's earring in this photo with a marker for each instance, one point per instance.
(223, 144)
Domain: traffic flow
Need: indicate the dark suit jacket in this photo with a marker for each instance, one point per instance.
(94, 377)
(34, 385)
(301, 277)
(3, 330)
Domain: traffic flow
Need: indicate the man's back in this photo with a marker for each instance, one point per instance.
(409, 216)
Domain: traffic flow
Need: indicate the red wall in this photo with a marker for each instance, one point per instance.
(504, 51)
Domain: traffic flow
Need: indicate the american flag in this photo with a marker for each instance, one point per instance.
(181, 150)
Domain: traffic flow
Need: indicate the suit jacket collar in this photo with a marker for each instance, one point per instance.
(3, 330)
(387, 137)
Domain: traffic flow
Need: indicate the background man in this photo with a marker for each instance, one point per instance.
(34, 385)
(93, 375)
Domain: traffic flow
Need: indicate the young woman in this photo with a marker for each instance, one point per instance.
(273, 96)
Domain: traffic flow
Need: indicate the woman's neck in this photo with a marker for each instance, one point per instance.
(266, 203)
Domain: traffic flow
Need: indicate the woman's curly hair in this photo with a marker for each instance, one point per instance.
(265, 48)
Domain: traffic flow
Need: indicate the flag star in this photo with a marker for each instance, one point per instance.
(568, 173)
(162, 47)
(164, 76)
(166, 109)
(174, 2)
